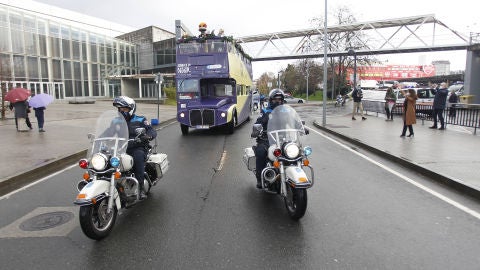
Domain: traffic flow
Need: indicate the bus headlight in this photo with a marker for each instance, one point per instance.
(223, 114)
(182, 115)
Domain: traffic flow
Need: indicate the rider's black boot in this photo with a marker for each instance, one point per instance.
(259, 182)
(142, 195)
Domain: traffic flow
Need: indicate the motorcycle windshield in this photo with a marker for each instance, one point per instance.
(284, 125)
(111, 135)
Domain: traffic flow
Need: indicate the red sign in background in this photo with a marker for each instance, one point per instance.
(393, 72)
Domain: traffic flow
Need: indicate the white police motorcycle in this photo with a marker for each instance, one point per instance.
(109, 183)
(288, 171)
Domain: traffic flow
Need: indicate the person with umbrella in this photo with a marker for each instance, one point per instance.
(17, 98)
(20, 109)
(39, 103)
(39, 114)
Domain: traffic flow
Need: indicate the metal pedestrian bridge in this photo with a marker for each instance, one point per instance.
(402, 35)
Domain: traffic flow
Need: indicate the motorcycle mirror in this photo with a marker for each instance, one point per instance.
(90, 136)
(257, 129)
(140, 131)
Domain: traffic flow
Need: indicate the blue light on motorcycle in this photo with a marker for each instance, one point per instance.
(307, 150)
(115, 162)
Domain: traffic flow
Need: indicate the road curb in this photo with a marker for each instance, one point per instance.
(24, 178)
(448, 181)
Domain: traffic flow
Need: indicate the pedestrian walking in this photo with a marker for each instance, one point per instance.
(357, 96)
(439, 103)
(453, 99)
(27, 119)
(409, 117)
(39, 114)
(20, 112)
(390, 100)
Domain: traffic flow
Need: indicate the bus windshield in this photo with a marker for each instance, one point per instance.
(188, 89)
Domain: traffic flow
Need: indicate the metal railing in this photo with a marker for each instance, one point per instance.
(460, 114)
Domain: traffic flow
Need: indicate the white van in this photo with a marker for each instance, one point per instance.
(424, 95)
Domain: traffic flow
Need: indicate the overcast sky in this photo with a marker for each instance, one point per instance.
(247, 17)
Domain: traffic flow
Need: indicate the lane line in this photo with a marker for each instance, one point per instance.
(405, 178)
(6, 196)
(222, 161)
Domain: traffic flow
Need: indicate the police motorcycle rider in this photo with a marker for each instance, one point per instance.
(137, 149)
(276, 97)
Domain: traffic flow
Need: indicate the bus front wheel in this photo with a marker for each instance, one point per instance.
(232, 124)
(184, 129)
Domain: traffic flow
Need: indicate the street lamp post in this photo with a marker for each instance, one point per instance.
(278, 79)
(159, 81)
(354, 53)
(308, 70)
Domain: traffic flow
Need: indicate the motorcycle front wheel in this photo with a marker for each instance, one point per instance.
(296, 202)
(95, 221)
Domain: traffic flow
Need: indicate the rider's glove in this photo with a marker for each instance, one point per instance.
(145, 138)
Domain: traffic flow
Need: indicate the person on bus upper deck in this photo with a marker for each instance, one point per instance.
(138, 150)
(276, 97)
(202, 27)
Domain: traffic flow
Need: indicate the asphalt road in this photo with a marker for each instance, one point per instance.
(207, 214)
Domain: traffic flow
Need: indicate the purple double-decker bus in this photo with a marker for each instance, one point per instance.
(213, 82)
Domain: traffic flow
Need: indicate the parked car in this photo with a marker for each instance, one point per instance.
(458, 88)
(290, 99)
(424, 95)
(424, 101)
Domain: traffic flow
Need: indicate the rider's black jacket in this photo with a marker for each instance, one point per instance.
(140, 122)
(263, 119)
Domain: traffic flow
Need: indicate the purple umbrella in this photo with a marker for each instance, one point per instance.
(40, 100)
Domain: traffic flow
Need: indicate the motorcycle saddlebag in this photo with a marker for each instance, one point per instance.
(159, 164)
(249, 158)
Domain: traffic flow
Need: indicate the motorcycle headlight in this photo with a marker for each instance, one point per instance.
(291, 150)
(307, 150)
(115, 162)
(99, 161)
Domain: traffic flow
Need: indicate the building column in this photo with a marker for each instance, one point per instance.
(140, 88)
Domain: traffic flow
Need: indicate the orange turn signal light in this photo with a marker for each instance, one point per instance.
(117, 175)
(306, 162)
(276, 164)
(81, 196)
(86, 176)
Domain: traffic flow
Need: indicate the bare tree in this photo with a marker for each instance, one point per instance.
(263, 83)
(343, 41)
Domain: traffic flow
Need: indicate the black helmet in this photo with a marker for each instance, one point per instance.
(275, 93)
(125, 102)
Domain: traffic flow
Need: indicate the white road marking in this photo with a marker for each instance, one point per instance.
(222, 161)
(434, 193)
(6, 196)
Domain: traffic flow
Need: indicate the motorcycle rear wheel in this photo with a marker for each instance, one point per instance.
(296, 202)
(95, 222)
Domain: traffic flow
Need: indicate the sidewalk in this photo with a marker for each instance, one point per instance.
(451, 156)
(28, 155)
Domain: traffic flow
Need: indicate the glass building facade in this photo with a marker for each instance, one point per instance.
(47, 56)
